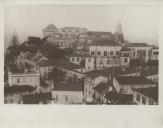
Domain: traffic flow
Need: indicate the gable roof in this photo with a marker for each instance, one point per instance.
(151, 92)
(101, 88)
(133, 80)
(68, 86)
(18, 89)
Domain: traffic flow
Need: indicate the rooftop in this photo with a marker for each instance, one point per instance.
(18, 89)
(68, 86)
(59, 63)
(101, 88)
(151, 92)
(29, 56)
(121, 98)
(37, 58)
(133, 80)
(104, 42)
(138, 45)
(36, 98)
(111, 70)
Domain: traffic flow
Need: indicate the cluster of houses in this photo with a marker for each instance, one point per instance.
(100, 74)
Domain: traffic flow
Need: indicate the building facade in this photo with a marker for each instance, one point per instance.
(31, 79)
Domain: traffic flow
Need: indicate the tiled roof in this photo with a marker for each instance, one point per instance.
(119, 97)
(102, 88)
(37, 58)
(59, 63)
(105, 72)
(36, 98)
(29, 56)
(68, 86)
(151, 92)
(104, 42)
(138, 45)
(98, 33)
(18, 89)
(133, 80)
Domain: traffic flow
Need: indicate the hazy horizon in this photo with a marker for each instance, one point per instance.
(139, 23)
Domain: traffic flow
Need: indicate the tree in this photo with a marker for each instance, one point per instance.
(135, 63)
(14, 41)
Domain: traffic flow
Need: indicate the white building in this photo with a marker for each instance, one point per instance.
(31, 79)
(104, 48)
(64, 37)
(125, 56)
(146, 96)
(141, 51)
(126, 84)
(67, 93)
(87, 61)
(50, 30)
(155, 54)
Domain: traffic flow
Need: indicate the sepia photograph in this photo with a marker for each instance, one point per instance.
(81, 54)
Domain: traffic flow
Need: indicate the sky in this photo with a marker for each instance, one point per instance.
(140, 23)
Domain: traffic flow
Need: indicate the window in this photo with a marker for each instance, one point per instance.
(72, 59)
(18, 80)
(89, 60)
(117, 52)
(108, 62)
(76, 30)
(155, 53)
(98, 53)
(143, 100)
(92, 52)
(138, 97)
(111, 52)
(105, 53)
(66, 98)
(69, 30)
(126, 54)
(63, 30)
(125, 60)
(78, 59)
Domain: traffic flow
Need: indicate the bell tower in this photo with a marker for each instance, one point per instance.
(118, 35)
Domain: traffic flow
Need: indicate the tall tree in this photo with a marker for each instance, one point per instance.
(14, 41)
